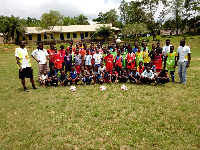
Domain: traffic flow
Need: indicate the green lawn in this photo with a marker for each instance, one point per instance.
(144, 117)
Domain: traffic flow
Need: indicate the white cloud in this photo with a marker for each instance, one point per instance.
(35, 8)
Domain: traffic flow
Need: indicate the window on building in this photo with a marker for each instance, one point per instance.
(30, 37)
(45, 36)
(86, 34)
(74, 35)
(52, 36)
(61, 36)
(68, 35)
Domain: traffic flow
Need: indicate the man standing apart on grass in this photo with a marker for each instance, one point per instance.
(24, 65)
(42, 57)
(184, 57)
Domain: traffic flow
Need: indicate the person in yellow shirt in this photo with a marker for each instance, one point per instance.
(145, 55)
(171, 62)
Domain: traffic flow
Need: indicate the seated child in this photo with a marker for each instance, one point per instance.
(85, 76)
(73, 77)
(147, 76)
(123, 75)
(113, 76)
(134, 76)
(63, 78)
(140, 68)
(43, 78)
(153, 68)
(105, 75)
(162, 77)
(97, 75)
(52, 76)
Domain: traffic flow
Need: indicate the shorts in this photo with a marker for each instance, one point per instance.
(97, 65)
(42, 67)
(78, 68)
(26, 73)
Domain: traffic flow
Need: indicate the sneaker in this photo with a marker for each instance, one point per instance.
(25, 90)
(35, 88)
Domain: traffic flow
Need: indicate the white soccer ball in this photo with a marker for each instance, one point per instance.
(72, 88)
(123, 87)
(102, 88)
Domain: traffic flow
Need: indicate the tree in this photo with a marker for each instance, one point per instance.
(81, 20)
(135, 29)
(103, 31)
(108, 17)
(69, 21)
(51, 19)
(132, 12)
(11, 27)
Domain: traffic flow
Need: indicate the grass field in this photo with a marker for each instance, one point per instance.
(144, 117)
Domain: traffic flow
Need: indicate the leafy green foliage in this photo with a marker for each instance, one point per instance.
(51, 19)
(108, 17)
(103, 31)
(69, 21)
(11, 27)
(135, 29)
(81, 20)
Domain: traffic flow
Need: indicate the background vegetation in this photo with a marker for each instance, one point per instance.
(144, 117)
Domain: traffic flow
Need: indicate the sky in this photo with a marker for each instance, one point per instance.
(72, 8)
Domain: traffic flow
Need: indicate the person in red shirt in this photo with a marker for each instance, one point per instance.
(130, 61)
(70, 45)
(57, 60)
(62, 52)
(109, 61)
(158, 60)
(51, 53)
(113, 76)
(140, 68)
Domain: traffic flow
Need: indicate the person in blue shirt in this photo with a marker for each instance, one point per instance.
(134, 76)
(73, 77)
(135, 49)
(52, 76)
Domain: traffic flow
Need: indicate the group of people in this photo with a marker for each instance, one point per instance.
(112, 63)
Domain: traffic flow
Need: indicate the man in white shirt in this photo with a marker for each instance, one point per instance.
(24, 65)
(42, 57)
(166, 48)
(184, 57)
